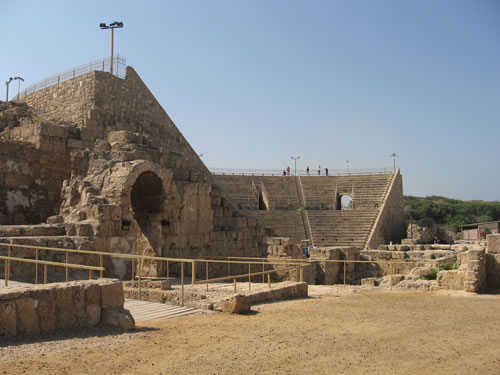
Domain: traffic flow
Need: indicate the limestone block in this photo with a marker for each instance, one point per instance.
(119, 318)
(93, 314)
(18, 181)
(55, 219)
(27, 319)
(92, 294)
(369, 281)
(8, 323)
(493, 241)
(45, 309)
(74, 143)
(236, 304)
(451, 280)
(112, 295)
(70, 307)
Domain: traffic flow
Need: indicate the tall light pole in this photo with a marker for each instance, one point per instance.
(295, 158)
(394, 160)
(112, 26)
(7, 84)
(347, 161)
(19, 79)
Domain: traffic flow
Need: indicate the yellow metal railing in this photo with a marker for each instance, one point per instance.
(292, 264)
(285, 265)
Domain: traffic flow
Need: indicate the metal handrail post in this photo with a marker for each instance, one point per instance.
(206, 272)
(140, 276)
(101, 262)
(263, 269)
(249, 277)
(234, 285)
(344, 272)
(182, 283)
(269, 280)
(302, 274)
(5, 272)
(45, 274)
(193, 272)
(67, 270)
(36, 266)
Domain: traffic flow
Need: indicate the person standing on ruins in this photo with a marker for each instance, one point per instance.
(326, 171)
(288, 170)
(319, 170)
(307, 170)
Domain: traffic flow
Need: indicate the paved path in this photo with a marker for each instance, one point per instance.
(143, 310)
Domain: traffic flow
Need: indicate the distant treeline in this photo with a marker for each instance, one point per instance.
(451, 212)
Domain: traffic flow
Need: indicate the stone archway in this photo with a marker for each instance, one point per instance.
(345, 202)
(146, 198)
(144, 186)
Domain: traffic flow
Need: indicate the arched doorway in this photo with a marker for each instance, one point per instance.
(146, 198)
(345, 202)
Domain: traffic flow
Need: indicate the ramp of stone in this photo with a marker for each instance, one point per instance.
(144, 310)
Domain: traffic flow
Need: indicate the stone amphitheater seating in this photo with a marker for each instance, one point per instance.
(317, 196)
(341, 228)
(286, 223)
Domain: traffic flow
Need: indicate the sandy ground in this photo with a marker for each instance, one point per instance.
(337, 331)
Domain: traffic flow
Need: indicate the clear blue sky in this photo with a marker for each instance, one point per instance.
(251, 83)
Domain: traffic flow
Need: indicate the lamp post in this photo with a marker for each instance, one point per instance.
(295, 158)
(112, 26)
(347, 161)
(7, 84)
(19, 79)
(394, 160)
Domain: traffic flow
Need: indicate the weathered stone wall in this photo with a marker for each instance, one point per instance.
(471, 275)
(43, 309)
(109, 131)
(493, 261)
(390, 224)
(34, 162)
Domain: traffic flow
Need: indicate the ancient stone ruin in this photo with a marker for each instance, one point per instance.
(96, 163)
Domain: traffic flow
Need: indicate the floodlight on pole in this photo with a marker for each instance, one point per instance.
(112, 26)
(7, 84)
(295, 158)
(394, 160)
(19, 79)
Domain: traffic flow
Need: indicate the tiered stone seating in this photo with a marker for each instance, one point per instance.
(367, 191)
(341, 228)
(282, 191)
(329, 225)
(286, 223)
(239, 190)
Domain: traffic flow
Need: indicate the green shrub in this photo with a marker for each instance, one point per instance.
(432, 275)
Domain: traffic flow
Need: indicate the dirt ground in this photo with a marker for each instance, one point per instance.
(336, 331)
